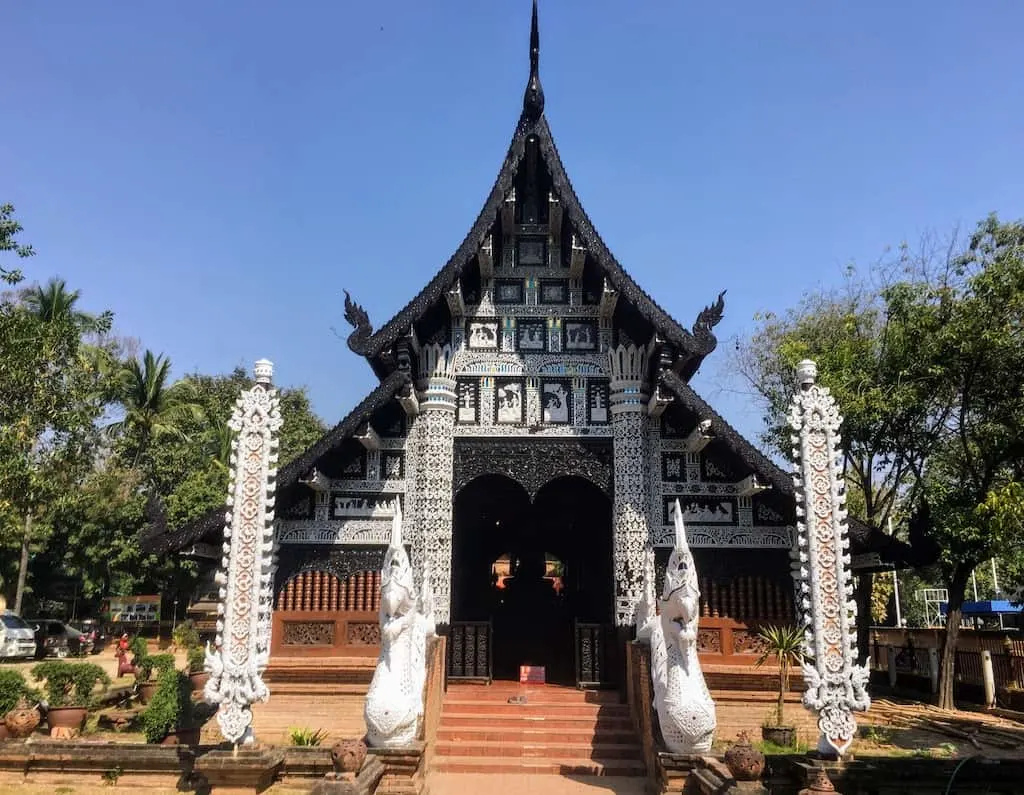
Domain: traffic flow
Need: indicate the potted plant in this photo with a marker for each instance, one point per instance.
(144, 668)
(69, 693)
(197, 668)
(18, 714)
(171, 718)
(786, 645)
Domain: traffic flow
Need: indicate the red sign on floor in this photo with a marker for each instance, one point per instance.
(531, 674)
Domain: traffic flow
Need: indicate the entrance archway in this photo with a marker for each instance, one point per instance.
(532, 568)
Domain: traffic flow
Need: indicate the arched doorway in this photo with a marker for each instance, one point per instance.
(532, 568)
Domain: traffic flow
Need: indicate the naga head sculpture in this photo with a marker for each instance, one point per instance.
(680, 575)
(397, 589)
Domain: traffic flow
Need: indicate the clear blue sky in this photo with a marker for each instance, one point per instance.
(216, 173)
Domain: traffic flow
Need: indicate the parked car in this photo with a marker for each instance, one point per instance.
(93, 633)
(57, 639)
(17, 638)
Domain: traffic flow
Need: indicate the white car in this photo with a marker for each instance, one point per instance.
(17, 639)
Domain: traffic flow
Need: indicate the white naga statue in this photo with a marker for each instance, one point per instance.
(394, 702)
(686, 712)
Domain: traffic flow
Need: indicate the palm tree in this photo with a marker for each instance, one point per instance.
(153, 409)
(55, 301)
(786, 644)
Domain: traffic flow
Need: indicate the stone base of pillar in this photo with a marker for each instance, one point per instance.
(243, 771)
(403, 772)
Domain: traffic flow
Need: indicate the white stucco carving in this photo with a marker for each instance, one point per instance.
(394, 701)
(242, 644)
(686, 712)
(835, 682)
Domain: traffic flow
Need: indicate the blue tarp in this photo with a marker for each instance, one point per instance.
(990, 608)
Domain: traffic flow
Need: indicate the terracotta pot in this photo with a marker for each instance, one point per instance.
(146, 691)
(182, 737)
(744, 761)
(783, 736)
(65, 721)
(199, 680)
(22, 720)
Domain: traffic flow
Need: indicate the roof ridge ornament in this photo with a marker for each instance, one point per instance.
(533, 99)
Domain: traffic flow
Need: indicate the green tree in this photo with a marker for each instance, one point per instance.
(153, 409)
(9, 230)
(970, 332)
(924, 358)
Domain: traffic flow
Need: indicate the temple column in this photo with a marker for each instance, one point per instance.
(433, 443)
(246, 577)
(632, 475)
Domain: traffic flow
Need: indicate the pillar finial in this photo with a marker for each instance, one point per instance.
(264, 371)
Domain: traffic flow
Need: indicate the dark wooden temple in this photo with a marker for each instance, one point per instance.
(535, 418)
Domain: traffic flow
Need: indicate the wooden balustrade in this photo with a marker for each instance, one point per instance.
(317, 614)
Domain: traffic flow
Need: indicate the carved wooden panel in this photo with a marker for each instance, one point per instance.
(363, 633)
(308, 633)
(746, 641)
(709, 641)
(532, 463)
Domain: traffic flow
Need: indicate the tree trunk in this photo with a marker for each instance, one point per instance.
(23, 564)
(862, 595)
(957, 587)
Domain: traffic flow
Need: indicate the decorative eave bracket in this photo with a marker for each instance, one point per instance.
(508, 212)
(317, 481)
(408, 400)
(456, 304)
(367, 437)
(485, 256)
(699, 437)
(579, 256)
(750, 486)
(609, 298)
(660, 400)
(554, 222)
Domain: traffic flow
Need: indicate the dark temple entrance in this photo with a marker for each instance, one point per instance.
(533, 568)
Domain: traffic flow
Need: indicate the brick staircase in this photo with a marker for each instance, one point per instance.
(558, 730)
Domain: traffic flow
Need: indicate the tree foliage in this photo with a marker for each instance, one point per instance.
(90, 435)
(924, 357)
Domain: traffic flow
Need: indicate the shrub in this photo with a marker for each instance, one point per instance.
(69, 684)
(171, 707)
(185, 635)
(196, 659)
(161, 716)
(305, 736)
(139, 648)
(13, 688)
(144, 668)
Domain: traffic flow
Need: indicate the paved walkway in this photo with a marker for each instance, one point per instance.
(513, 784)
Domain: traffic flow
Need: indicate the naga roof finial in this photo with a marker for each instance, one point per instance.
(533, 99)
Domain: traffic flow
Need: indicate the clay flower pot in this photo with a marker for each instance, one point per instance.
(199, 680)
(65, 722)
(182, 737)
(146, 691)
(744, 761)
(22, 720)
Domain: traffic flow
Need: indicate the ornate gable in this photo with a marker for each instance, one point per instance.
(533, 257)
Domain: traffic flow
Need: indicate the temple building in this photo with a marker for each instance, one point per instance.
(535, 420)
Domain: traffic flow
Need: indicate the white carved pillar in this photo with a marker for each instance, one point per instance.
(826, 605)
(632, 475)
(433, 440)
(247, 576)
